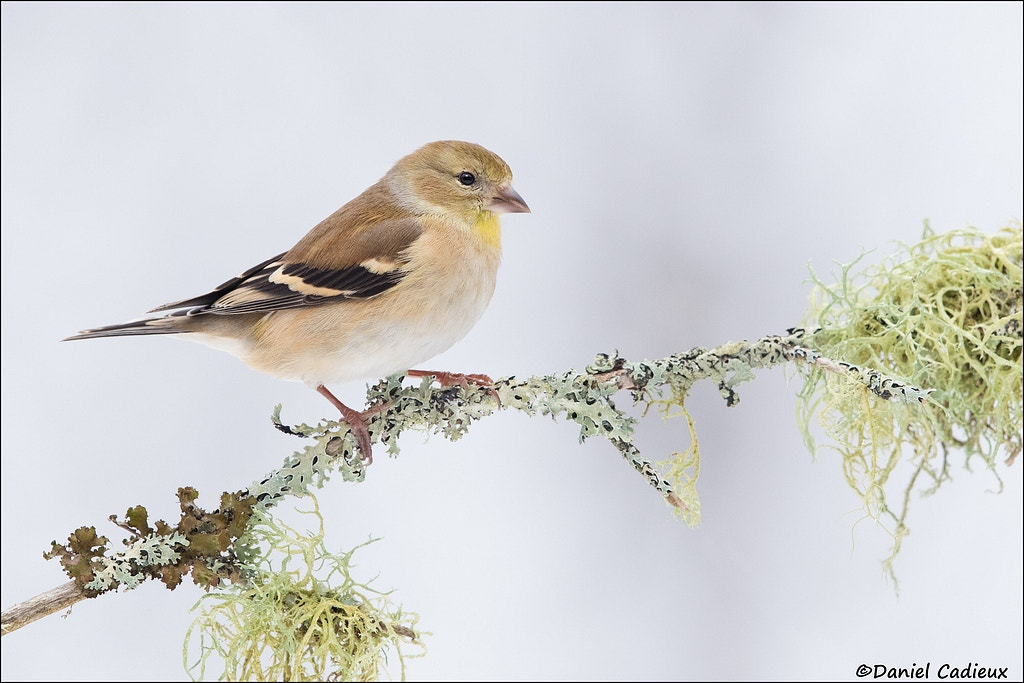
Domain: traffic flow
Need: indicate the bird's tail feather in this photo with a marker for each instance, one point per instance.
(165, 325)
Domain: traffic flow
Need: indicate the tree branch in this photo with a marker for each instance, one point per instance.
(55, 600)
(581, 397)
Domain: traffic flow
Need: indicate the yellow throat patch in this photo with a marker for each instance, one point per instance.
(489, 228)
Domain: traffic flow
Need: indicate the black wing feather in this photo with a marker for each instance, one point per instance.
(253, 292)
(204, 300)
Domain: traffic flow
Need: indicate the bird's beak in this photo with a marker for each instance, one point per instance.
(507, 200)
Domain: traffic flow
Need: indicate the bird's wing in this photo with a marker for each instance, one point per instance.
(327, 265)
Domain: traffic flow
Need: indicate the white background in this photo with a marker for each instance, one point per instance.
(684, 164)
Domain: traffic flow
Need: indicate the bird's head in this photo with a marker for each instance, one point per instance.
(455, 177)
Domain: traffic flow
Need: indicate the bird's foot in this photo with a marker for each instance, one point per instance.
(452, 379)
(357, 423)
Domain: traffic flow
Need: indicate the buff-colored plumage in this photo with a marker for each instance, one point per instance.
(386, 282)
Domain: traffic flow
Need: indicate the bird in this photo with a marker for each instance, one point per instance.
(391, 279)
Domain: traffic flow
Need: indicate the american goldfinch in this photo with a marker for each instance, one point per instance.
(389, 280)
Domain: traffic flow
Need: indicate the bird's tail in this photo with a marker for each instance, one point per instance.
(163, 325)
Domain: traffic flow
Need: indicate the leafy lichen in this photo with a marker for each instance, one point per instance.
(200, 544)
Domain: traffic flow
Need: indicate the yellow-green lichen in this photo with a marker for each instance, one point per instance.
(945, 314)
(300, 615)
(682, 469)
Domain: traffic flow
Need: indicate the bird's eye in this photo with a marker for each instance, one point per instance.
(467, 178)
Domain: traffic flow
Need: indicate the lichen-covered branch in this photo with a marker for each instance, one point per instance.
(922, 352)
(200, 544)
(582, 397)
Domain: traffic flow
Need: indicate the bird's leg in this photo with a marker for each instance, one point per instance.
(356, 422)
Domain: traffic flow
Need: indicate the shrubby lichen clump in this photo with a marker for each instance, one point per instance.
(299, 616)
(946, 315)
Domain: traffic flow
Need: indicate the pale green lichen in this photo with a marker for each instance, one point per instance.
(122, 570)
(944, 314)
(683, 469)
(299, 615)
